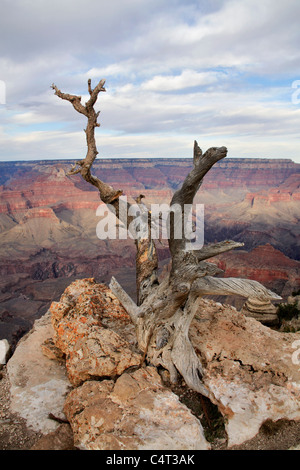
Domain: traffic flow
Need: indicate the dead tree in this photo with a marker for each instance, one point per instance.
(164, 311)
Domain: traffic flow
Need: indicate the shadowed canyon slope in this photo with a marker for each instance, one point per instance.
(48, 226)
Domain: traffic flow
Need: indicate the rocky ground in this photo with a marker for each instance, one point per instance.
(283, 435)
(14, 434)
(80, 363)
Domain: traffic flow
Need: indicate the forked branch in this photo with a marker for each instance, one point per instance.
(163, 312)
(147, 262)
(184, 197)
(107, 194)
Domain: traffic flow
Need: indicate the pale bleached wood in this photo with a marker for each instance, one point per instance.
(127, 302)
(183, 354)
(215, 249)
(233, 286)
(146, 257)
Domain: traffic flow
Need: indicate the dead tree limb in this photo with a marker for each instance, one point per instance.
(146, 259)
(163, 312)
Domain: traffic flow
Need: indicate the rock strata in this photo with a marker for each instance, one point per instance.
(262, 310)
(264, 264)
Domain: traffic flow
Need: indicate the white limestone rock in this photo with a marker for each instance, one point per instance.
(251, 371)
(39, 385)
(4, 350)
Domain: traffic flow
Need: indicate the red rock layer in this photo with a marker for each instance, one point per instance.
(264, 264)
(287, 192)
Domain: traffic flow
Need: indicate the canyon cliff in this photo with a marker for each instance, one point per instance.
(48, 226)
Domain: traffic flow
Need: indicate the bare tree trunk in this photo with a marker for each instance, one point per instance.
(163, 312)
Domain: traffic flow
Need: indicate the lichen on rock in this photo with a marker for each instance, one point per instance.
(90, 326)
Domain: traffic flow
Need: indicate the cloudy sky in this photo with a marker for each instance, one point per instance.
(223, 72)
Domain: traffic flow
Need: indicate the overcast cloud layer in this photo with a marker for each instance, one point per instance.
(223, 72)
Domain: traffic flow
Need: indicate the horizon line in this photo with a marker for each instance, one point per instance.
(103, 159)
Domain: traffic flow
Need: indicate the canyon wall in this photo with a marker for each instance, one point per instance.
(48, 226)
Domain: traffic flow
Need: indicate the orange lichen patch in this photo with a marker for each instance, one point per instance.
(54, 307)
(83, 306)
(101, 353)
(58, 311)
(69, 331)
(100, 301)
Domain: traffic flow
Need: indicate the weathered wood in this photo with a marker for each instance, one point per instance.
(232, 286)
(163, 312)
(146, 259)
(214, 249)
(185, 195)
(127, 302)
(183, 354)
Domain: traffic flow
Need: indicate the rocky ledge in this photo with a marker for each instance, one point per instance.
(80, 364)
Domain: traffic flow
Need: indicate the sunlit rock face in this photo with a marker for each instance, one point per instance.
(251, 371)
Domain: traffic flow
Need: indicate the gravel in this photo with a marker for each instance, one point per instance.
(14, 434)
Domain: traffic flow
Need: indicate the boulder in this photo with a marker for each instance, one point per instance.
(135, 413)
(249, 369)
(91, 330)
(99, 353)
(85, 299)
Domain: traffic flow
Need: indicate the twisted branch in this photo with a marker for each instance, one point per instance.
(147, 262)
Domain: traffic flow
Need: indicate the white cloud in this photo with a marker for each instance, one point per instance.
(173, 67)
(187, 79)
(30, 117)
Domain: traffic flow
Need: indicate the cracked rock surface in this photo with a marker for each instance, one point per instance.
(93, 331)
(249, 369)
(135, 413)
